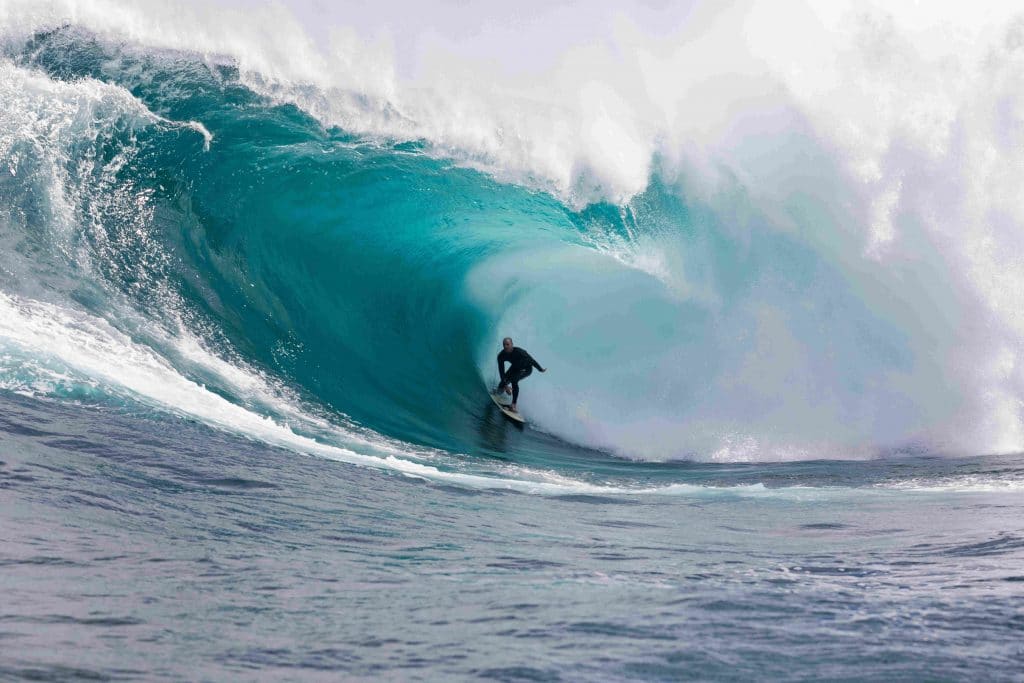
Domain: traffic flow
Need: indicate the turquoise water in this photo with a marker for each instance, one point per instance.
(756, 453)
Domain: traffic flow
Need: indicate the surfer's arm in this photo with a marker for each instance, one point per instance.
(535, 363)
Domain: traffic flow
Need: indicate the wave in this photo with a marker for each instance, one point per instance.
(292, 239)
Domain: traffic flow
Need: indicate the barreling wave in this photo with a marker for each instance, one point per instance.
(328, 265)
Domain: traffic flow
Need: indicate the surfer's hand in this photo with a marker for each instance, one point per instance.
(543, 369)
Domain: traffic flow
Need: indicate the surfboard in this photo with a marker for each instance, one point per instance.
(515, 417)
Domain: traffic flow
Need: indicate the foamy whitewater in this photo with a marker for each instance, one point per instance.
(257, 260)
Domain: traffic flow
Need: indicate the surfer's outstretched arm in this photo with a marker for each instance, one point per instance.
(535, 363)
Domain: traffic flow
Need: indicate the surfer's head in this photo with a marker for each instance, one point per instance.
(506, 343)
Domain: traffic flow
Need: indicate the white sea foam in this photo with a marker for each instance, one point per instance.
(960, 484)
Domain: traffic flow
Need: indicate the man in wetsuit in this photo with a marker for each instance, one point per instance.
(521, 364)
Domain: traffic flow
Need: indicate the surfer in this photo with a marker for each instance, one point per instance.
(521, 364)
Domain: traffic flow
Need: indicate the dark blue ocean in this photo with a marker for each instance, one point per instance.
(248, 323)
(155, 548)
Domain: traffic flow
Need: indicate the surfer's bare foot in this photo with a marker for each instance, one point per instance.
(513, 408)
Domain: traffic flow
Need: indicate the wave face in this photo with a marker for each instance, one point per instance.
(199, 225)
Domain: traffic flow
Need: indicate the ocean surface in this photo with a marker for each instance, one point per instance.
(253, 282)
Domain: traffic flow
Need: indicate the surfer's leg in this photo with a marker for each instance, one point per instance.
(522, 374)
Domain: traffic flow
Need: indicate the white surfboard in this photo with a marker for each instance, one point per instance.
(505, 409)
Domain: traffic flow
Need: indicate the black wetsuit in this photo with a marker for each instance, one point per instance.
(521, 364)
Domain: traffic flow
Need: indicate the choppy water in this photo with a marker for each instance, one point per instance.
(169, 551)
(251, 290)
